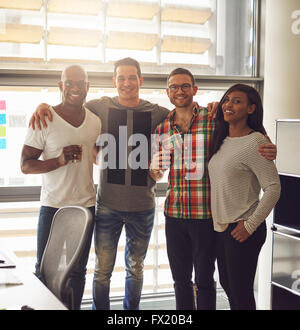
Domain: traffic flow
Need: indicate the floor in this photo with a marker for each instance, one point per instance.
(162, 302)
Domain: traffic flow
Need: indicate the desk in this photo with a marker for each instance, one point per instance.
(31, 292)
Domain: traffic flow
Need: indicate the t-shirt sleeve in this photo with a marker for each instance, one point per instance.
(92, 106)
(96, 106)
(35, 138)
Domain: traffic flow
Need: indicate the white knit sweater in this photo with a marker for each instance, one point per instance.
(237, 174)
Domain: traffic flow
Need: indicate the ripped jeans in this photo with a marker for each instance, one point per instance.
(108, 228)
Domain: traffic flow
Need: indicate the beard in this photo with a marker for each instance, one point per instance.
(182, 103)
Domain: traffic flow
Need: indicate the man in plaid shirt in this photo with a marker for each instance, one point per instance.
(182, 143)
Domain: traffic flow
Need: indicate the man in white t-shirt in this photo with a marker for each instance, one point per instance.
(67, 150)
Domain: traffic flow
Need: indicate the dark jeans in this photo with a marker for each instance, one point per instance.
(237, 264)
(191, 246)
(77, 280)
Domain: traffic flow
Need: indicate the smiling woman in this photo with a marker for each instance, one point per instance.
(238, 98)
(237, 174)
(236, 109)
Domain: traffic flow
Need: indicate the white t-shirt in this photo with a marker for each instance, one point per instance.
(71, 184)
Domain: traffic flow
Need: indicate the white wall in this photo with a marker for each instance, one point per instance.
(281, 97)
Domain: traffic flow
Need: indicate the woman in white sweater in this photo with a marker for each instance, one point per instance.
(237, 175)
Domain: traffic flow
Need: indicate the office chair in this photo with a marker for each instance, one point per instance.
(71, 228)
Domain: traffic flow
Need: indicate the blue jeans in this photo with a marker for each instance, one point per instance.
(108, 228)
(77, 278)
(191, 245)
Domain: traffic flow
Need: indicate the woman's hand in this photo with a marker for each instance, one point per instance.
(240, 233)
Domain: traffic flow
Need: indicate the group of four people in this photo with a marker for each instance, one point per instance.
(212, 208)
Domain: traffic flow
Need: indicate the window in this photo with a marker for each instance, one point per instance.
(212, 37)
(38, 38)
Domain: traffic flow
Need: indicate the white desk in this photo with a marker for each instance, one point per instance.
(32, 292)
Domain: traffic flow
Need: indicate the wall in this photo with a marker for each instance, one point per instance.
(281, 96)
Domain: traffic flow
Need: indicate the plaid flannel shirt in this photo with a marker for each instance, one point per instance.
(188, 194)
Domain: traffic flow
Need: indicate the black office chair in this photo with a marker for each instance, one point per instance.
(72, 226)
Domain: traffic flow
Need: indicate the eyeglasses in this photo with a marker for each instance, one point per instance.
(71, 84)
(183, 87)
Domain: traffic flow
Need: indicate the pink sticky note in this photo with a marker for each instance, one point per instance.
(2, 105)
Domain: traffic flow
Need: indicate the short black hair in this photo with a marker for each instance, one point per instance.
(128, 61)
(182, 71)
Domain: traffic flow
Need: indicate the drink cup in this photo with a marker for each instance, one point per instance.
(77, 155)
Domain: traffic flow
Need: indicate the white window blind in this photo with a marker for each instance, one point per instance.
(160, 34)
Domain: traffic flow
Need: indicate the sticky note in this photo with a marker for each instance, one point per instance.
(2, 119)
(2, 131)
(2, 143)
(2, 105)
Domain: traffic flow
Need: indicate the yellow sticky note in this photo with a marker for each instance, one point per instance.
(2, 131)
